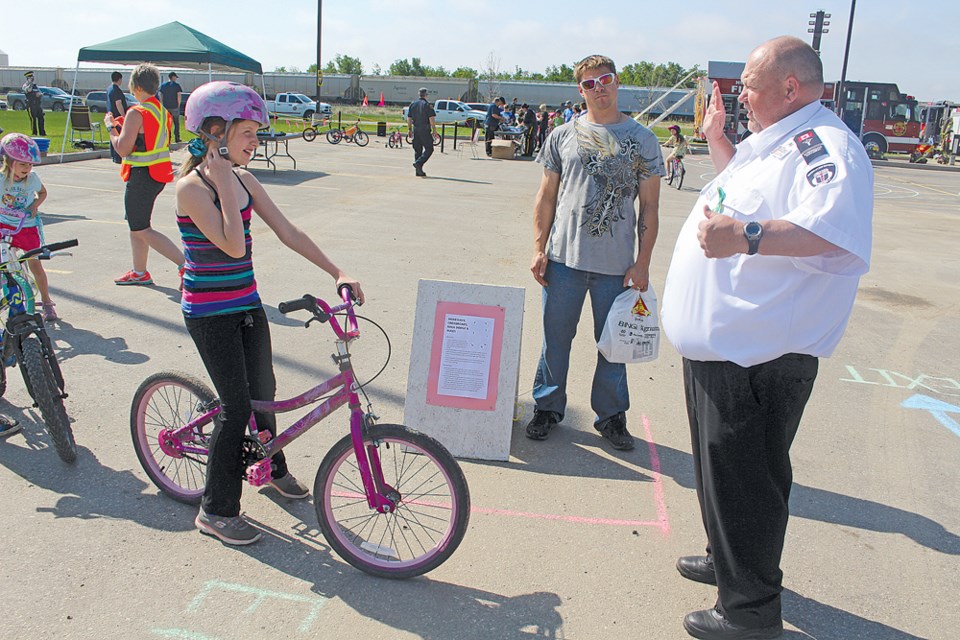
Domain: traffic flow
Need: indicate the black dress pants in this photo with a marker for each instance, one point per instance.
(742, 423)
(237, 353)
(422, 145)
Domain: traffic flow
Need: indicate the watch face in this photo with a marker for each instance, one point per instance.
(753, 230)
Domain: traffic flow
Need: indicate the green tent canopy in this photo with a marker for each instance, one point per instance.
(171, 45)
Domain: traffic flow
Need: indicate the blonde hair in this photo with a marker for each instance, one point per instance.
(7, 169)
(145, 77)
(593, 62)
(193, 161)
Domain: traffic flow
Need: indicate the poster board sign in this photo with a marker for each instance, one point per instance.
(464, 366)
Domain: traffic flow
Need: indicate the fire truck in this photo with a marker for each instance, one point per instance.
(883, 118)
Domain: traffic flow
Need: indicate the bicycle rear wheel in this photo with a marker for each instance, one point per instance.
(46, 393)
(361, 138)
(165, 402)
(309, 134)
(334, 136)
(431, 496)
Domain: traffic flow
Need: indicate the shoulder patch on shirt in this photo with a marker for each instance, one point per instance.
(810, 146)
(822, 174)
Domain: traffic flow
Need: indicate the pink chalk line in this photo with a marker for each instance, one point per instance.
(662, 522)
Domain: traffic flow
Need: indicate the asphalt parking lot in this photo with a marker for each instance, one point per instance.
(568, 539)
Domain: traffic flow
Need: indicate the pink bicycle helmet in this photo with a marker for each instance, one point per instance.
(228, 100)
(18, 146)
(673, 127)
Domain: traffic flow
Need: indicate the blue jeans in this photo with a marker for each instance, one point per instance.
(563, 299)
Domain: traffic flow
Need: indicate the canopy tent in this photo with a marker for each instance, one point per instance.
(170, 45)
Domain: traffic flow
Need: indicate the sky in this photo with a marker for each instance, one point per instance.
(906, 42)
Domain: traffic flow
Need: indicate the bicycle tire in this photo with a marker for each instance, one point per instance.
(670, 172)
(169, 400)
(429, 521)
(45, 392)
(682, 172)
(391, 143)
(361, 138)
(334, 136)
(309, 134)
(436, 139)
(3, 378)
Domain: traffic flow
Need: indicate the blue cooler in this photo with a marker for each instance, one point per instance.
(44, 144)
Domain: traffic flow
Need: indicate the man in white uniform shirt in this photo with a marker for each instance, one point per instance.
(761, 285)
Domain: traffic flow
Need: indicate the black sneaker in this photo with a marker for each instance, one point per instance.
(540, 425)
(614, 429)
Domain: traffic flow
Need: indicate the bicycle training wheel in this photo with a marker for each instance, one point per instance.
(46, 393)
(431, 496)
(309, 134)
(409, 138)
(334, 136)
(436, 139)
(361, 138)
(165, 402)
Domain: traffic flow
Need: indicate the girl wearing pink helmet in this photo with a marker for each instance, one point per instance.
(220, 303)
(20, 201)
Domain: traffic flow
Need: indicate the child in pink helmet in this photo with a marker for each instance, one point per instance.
(220, 303)
(20, 200)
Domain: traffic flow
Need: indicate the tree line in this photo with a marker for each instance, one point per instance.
(641, 74)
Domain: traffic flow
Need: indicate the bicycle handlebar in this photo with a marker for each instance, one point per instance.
(307, 302)
(44, 251)
(324, 312)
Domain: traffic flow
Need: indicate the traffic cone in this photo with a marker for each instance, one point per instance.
(381, 103)
(366, 103)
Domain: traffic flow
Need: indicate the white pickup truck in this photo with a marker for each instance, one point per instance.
(297, 104)
(450, 111)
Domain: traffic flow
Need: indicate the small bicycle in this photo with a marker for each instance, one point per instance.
(391, 501)
(675, 171)
(25, 342)
(352, 133)
(395, 141)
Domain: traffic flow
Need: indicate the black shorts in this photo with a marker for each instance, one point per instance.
(141, 193)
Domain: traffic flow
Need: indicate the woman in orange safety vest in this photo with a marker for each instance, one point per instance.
(143, 141)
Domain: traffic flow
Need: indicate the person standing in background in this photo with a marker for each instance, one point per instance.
(34, 104)
(170, 98)
(117, 106)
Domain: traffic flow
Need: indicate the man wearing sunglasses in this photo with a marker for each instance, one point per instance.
(591, 237)
(761, 285)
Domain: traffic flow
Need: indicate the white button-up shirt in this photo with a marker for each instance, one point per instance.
(808, 169)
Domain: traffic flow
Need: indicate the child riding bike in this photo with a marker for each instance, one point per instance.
(678, 142)
(22, 195)
(220, 304)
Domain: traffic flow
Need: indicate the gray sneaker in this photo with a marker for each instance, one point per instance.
(8, 426)
(290, 487)
(233, 530)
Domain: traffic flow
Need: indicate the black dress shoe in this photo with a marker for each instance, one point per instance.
(698, 569)
(711, 625)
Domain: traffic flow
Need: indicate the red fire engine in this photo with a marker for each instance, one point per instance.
(882, 117)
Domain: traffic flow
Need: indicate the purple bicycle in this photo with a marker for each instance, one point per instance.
(391, 501)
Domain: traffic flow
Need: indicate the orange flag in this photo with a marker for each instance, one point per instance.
(381, 103)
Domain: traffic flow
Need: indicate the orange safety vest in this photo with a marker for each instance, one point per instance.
(156, 134)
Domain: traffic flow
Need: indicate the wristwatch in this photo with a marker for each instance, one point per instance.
(753, 231)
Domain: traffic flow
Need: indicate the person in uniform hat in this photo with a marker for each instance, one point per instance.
(34, 108)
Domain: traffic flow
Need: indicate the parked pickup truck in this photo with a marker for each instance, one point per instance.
(450, 111)
(297, 104)
(53, 99)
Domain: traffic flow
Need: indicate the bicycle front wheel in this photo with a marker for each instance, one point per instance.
(361, 138)
(681, 171)
(163, 403)
(46, 393)
(429, 490)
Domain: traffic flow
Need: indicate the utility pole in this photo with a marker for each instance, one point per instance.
(818, 24)
(841, 87)
(319, 63)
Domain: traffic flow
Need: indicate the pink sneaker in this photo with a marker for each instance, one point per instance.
(131, 277)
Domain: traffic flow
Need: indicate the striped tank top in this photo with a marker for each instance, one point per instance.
(213, 282)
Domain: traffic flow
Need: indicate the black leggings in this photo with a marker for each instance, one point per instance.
(237, 353)
(138, 199)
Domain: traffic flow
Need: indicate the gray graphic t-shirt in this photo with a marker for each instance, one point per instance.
(600, 167)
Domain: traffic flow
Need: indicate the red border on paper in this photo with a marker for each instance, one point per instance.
(498, 314)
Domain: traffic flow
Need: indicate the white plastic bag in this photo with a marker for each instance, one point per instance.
(632, 330)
